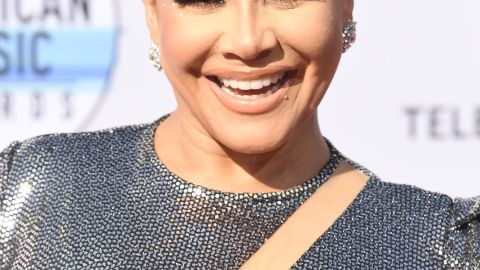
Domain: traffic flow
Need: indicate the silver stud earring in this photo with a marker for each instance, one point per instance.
(349, 35)
(154, 55)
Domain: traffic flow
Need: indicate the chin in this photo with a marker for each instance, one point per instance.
(253, 141)
(252, 147)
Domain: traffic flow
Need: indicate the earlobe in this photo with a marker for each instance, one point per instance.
(151, 18)
(348, 10)
(349, 31)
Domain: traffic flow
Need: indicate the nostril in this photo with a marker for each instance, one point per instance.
(264, 54)
(246, 55)
(252, 45)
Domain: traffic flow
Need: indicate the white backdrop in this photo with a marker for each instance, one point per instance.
(405, 102)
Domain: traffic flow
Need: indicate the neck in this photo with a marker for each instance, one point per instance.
(197, 158)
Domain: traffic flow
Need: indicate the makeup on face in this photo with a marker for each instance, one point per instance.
(243, 70)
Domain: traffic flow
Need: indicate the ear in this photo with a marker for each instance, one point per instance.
(347, 10)
(151, 16)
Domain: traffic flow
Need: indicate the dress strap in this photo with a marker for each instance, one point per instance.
(310, 221)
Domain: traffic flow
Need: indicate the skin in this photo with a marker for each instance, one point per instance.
(209, 144)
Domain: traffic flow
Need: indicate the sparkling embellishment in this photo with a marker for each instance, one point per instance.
(349, 35)
(155, 56)
(102, 200)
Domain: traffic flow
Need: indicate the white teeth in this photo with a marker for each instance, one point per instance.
(251, 85)
(244, 85)
(227, 82)
(248, 97)
(234, 83)
(256, 85)
(228, 91)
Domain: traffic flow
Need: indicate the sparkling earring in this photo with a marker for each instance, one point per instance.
(154, 55)
(349, 35)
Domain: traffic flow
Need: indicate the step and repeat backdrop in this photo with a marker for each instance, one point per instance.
(405, 102)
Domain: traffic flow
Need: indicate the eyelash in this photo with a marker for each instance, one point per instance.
(212, 5)
(209, 5)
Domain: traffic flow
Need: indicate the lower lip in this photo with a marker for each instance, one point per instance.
(255, 106)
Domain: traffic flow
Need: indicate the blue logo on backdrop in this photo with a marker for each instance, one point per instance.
(56, 58)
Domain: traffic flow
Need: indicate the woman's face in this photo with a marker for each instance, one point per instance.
(249, 74)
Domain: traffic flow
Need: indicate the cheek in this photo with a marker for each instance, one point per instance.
(185, 41)
(315, 35)
(312, 31)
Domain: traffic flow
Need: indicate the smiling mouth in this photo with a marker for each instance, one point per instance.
(253, 89)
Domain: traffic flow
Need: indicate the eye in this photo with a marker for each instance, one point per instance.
(204, 5)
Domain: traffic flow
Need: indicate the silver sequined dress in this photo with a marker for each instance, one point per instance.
(102, 200)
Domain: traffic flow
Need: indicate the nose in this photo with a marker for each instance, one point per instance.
(247, 35)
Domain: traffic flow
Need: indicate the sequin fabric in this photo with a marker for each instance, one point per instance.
(103, 200)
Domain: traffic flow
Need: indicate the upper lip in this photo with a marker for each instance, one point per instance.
(246, 75)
